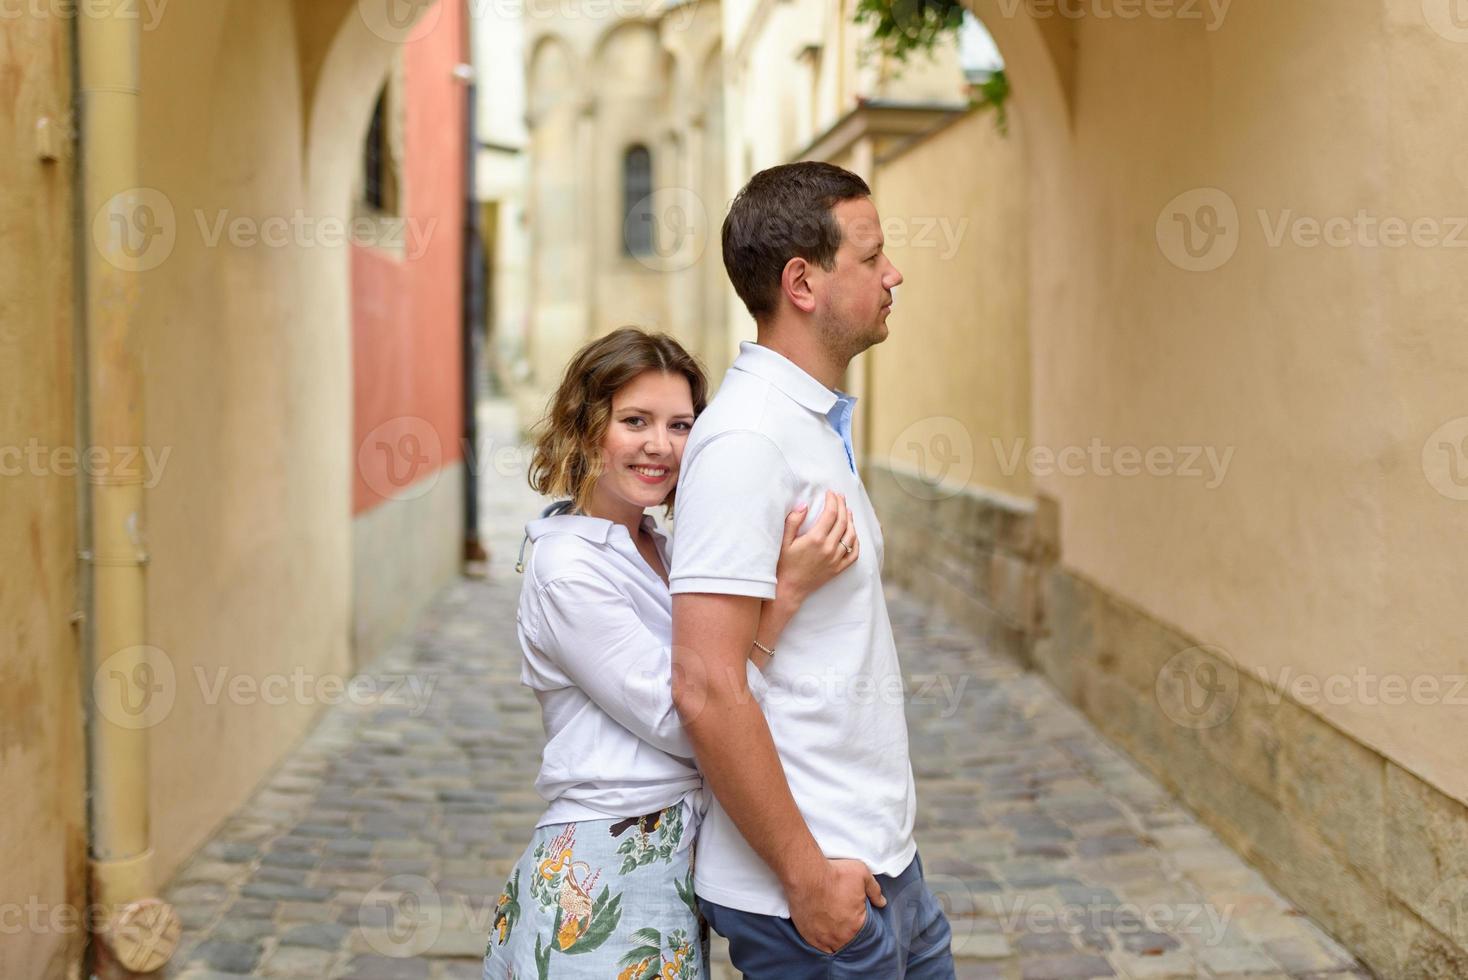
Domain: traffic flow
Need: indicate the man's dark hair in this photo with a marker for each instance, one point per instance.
(784, 213)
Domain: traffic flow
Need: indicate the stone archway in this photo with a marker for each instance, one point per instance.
(253, 114)
(1039, 57)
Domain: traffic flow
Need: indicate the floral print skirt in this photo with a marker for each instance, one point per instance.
(601, 898)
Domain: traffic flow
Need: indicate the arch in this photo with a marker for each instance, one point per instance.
(275, 97)
(628, 60)
(1039, 57)
(347, 83)
(552, 74)
(191, 43)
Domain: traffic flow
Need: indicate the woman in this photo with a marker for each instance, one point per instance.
(605, 887)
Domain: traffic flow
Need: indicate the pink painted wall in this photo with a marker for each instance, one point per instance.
(406, 318)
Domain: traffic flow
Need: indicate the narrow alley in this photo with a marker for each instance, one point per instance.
(1143, 321)
(378, 848)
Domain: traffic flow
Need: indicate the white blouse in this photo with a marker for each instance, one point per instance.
(595, 623)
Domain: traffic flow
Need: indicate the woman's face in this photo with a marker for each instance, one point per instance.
(651, 418)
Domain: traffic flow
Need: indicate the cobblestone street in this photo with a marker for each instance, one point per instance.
(378, 848)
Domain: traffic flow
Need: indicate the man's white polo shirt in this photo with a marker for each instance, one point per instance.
(835, 702)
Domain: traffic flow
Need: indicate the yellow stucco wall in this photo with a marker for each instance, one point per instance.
(953, 375)
(42, 834)
(252, 119)
(1332, 543)
(248, 387)
(1319, 539)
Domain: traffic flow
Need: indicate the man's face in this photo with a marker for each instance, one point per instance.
(855, 297)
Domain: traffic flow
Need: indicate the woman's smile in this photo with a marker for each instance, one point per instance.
(650, 474)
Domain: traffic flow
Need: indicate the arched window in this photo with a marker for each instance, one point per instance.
(377, 191)
(637, 217)
(380, 176)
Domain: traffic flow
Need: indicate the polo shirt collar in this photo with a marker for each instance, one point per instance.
(787, 376)
(594, 529)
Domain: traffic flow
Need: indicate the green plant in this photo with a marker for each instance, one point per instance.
(902, 27)
(993, 92)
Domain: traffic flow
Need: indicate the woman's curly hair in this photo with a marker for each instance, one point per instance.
(568, 458)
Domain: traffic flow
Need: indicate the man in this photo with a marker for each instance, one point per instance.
(806, 861)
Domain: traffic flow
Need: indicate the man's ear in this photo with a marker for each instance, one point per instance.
(796, 285)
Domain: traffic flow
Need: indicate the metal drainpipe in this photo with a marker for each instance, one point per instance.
(472, 308)
(141, 932)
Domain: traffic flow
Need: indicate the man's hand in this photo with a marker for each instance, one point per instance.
(829, 908)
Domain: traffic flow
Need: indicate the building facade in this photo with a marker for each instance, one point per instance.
(625, 124)
(231, 414)
(639, 118)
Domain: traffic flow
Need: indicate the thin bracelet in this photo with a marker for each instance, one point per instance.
(767, 650)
